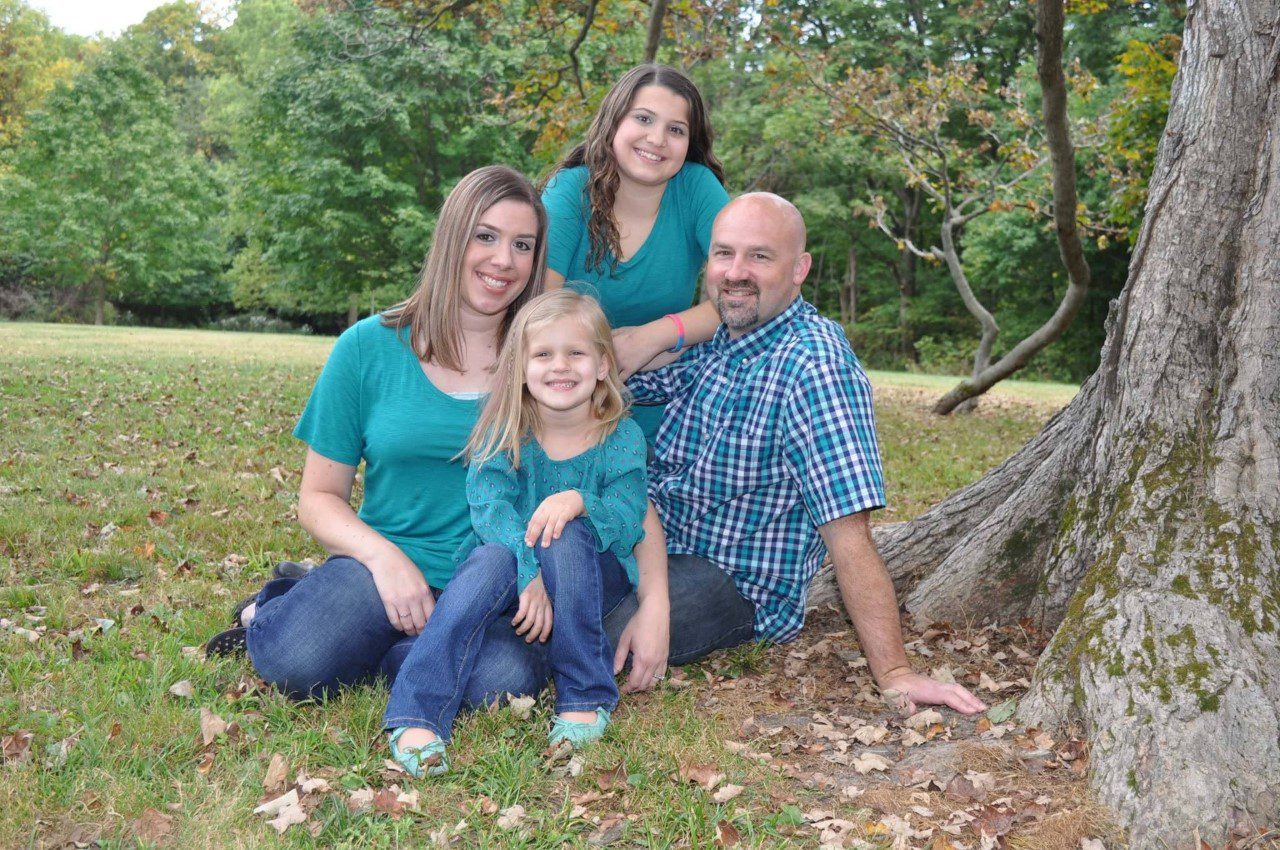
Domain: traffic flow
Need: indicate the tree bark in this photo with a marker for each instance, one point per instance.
(1143, 523)
(905, 272)
(654, 36)
(849, 289)
(99, 287)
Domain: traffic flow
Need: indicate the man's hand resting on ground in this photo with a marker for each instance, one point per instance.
(916, 690)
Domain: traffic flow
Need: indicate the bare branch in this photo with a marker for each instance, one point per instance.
(588, 19)
(1049, 26)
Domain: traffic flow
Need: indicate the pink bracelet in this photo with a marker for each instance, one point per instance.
(679, 332)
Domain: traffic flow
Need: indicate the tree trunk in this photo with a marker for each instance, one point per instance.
(353, 308)
(1143, 523)
(99, 288)
(849, 289)
(906, 273)
(654, 36)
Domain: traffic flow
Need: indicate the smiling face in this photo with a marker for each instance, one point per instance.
(563, 364)
(652, 139)
(499, 258)
(757, 261)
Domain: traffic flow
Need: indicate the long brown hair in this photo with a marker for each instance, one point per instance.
(596, 152)
(510, 417)
(431, 312)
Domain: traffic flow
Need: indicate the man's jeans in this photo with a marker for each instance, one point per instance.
(328, 630)
(581, 582)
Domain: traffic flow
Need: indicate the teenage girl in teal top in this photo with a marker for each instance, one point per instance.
(553, 459)
(630, 213)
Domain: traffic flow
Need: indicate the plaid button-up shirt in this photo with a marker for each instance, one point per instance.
(765, 438)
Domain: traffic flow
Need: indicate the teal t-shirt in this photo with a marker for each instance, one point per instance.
(374, 402)
(662, 276)
(610, 478)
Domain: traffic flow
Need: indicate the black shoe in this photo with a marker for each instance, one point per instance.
(290, 569)
(228, 643)
(239, 609)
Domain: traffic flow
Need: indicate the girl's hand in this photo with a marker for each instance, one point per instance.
(533, 617)
(552, 516)
(404, 592)
(647, 638)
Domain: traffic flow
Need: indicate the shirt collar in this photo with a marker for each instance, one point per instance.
(761, 339)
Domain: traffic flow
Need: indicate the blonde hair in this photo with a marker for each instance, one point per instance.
(431, 312)
(596, 152)
(510, 417)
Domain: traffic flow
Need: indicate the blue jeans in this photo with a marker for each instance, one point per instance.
(329, 630)
(581, 583)
(707, 612)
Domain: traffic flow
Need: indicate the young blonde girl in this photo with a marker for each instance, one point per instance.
(556, 489)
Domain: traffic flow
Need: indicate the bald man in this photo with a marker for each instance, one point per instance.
(766, 461)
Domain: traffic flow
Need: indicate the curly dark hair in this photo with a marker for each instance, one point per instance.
(596, 152)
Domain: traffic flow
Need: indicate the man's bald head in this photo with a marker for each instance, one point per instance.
(778, 208)
(757, 261)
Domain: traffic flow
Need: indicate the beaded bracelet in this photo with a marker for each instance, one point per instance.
(679, 332)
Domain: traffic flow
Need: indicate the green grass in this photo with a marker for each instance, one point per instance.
(148, 480)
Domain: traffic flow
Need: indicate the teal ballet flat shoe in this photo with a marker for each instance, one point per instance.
(426, 760)
(578, 733)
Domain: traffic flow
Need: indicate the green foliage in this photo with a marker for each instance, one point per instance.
(335, 130)
(1148, 70)
(102, 198)
(34, 56)
(342, 161)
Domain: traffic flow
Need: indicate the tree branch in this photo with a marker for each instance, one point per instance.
(1049, 27)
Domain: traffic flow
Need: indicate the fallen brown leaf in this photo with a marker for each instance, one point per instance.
(615, 777)
(727, 835)
(152, 827)
(511, 817)
(704, 775)
(15, 748)
(183, 689)
(277, 774)
(211, 726)
(727, 792)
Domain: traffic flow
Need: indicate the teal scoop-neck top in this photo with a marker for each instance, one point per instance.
(373, 402)
(661, 277)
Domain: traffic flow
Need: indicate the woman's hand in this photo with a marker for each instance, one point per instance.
(533, 617)
(647, 638)
(552, 516)
(404, 592)
(636, 346)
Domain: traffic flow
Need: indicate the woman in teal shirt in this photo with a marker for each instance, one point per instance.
(401, 392)
(630, 213)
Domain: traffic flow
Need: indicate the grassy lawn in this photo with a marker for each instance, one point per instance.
(148, 480)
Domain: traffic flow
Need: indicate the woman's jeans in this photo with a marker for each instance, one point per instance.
(581, 583)
(329, 630)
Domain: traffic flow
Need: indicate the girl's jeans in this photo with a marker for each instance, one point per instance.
(582, 584)
(329, 630)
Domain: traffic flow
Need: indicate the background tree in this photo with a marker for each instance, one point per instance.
(341, 161)
(104, 201)
(34, 56)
